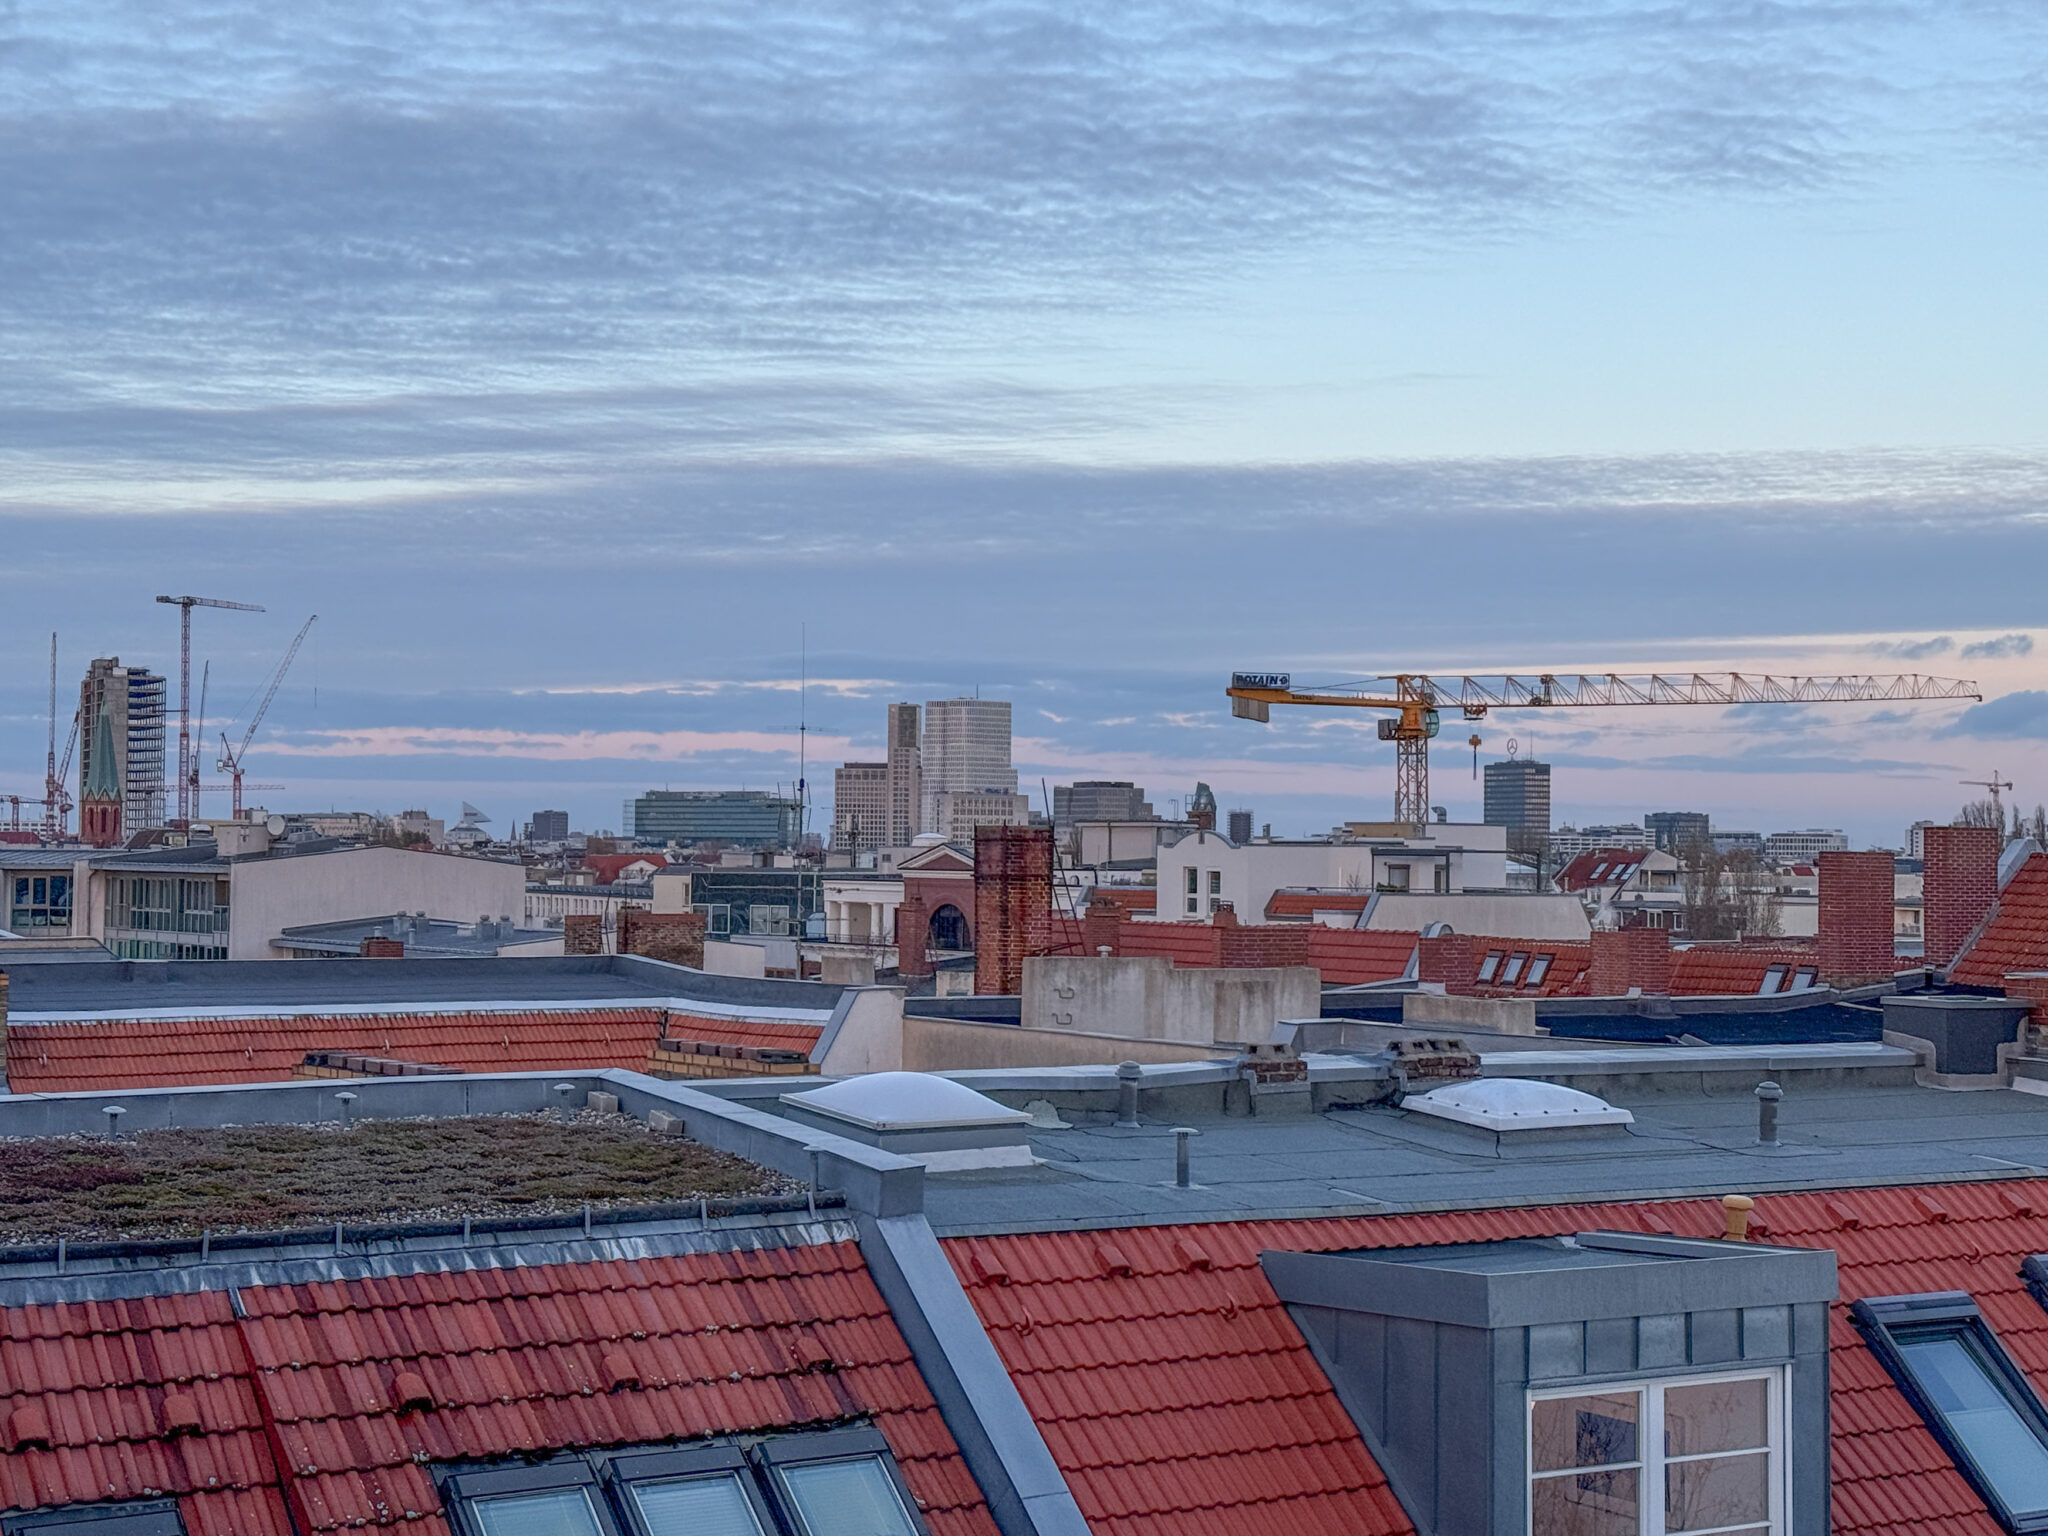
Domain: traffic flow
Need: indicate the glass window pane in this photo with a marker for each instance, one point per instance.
(1586, 1504)
(847, 1498)
(697, 1506)
(557, 1512)
(1594, 1431)
(1718, 1416)
(1990, 1427)
(1720, 1491)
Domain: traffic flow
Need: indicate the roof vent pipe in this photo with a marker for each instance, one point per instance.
(1127, 1075)
(1767, 1096)
(1735, 1211)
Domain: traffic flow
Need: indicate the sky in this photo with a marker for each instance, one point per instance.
(600, 374)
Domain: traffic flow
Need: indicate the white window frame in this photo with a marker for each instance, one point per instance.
(1650, 1435)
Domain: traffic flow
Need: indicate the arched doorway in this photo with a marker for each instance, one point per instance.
(949, 928)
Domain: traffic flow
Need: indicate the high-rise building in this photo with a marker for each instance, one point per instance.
(745, 818)
(966, 753)
(1098, 800)
(549, 827)
(132, 700)
(904, 804)
(1676, 831)
(860, 807)
(1518, 795)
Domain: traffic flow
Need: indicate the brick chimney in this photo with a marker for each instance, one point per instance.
(583, 934)
(913, 937)
(1012, 904)
(1102, 926)
(1960, 885)
(677, 937)
(378, 947)
(1629, 958)
(1260, 943)
(1856, 918)
(1448, 959)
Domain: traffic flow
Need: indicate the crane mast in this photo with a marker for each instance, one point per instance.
(188, 763)
(1417, 701)
(231, 757)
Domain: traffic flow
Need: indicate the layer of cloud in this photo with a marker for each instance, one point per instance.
(2019, 716)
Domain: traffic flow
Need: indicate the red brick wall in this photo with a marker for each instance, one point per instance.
(1449, 959)
(1260, 944)
(2033, 987)
(1961, 884)
(1012, 904)
(1102, 926)
(374, 948)
(583, 934)
(1623, 958)
(677, 937)
(1855, 918)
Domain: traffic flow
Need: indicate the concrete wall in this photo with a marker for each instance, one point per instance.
(723, 959)
(1151, 999)
(866, 1034)
(965, 1045)
(1433, 1011)
(270, 895)
(1556, 918)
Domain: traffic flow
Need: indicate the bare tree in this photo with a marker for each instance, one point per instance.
(1988, 813)
(1727, 895)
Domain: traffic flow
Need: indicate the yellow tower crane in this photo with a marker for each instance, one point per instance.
(1417, 702)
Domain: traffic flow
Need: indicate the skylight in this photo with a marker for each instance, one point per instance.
(1489, 965)
(1958, 1376)
(1774, 979)
(836, 1483)
(1513, 968)
(152, 1517)
(1538, 969)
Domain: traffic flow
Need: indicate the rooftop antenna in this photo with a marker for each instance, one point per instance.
(803, 690)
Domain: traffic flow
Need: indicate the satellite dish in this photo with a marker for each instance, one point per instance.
(274, 825)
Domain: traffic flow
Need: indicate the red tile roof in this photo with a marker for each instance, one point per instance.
(1717, 970)
(2016, 938)
(1565, 976)
(607, 866)
(1349, 957)
(1299, 904)
(300, 1400)
(166, 1053)
(1578, 875)
(1179, 1399)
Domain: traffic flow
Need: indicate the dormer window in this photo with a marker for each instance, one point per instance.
(1954, 1371)
(1686, 1455)
(1489, 965)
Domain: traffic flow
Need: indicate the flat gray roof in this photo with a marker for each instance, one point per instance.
(127, 986)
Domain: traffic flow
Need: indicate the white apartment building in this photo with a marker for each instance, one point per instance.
(1803, 847)
(1204, 871)
(1570, 842)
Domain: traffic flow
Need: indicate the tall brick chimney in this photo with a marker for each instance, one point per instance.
(1625, 959)
(677, 937)
(583, 934)
(1856, 918)
(913, 937)
(1960, 884)
(1012, 904)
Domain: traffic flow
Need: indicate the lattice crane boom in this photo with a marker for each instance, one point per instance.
(188, 763)
(1417, 701)
(231, 757)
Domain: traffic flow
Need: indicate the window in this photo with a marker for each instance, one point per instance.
(836, 1483)
(764, 918)
(1443, 879)
(1396, 877)
(1489, 965)
(1959, 1378)
(1774, 979)
(1513, 968)
(1692, 1455)
(1599, 869)
(1803, 979)
(1194, 892)
(1215, 890)
(40, 901)
(717, 917)
(1538, 969)
(153, 1517)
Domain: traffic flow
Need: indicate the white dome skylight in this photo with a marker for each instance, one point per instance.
(1517, 1104)
(906, 1101)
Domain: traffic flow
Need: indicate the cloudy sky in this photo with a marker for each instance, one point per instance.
(589, 367)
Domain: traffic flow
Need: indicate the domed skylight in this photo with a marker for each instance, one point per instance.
(906, 1101)
(1517, 1104)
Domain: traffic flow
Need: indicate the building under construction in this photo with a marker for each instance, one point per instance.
(132, 699)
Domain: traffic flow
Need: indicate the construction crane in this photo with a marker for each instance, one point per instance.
(1418, 700)
(188, 762)
(231, 757)
(1996, 785)
(56, 803)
